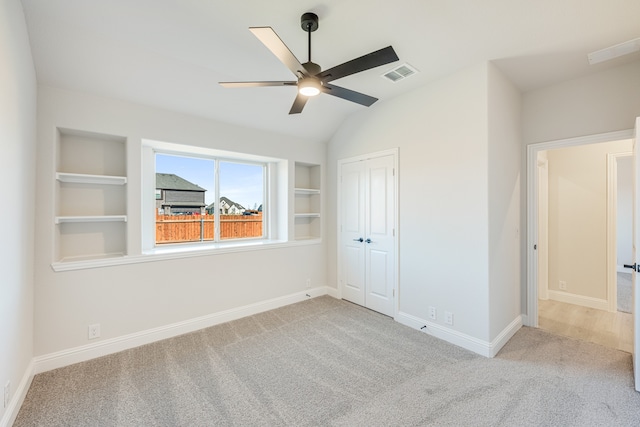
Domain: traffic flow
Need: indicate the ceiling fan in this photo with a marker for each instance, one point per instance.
(311, 80)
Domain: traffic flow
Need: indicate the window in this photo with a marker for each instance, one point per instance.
(211, 200)
(208, 199)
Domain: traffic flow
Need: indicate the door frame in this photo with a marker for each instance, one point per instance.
(531, 319)
(612, 235)
(394, 152)
(543, 226)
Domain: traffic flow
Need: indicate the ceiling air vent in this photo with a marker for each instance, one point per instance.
(401, 72)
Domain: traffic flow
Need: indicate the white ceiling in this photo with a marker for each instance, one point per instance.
(172, 53)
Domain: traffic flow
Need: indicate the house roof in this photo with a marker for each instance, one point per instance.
(228, 202)
(169, 181)
(534, 43)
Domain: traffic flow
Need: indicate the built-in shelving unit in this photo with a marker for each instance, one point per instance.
(91, 215)
(307, 205)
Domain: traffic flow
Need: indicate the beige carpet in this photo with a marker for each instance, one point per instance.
(328, 362)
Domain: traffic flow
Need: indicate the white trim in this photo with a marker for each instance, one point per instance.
(332, 292)
(543, 227)
(503, 337)
(70, 356)
(532, 207)
(11, 412)
(612, 233)
(575, 299)
(483, 348)
(396, 178)
(184, 251)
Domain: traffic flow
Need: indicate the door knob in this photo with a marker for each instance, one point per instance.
(634, 267)
(368, 240)
(359, 240)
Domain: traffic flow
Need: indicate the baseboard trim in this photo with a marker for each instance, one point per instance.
(597, 303)
(465, 341)
(504, 336)
(19, 395)
(332, 292)
(483, 348)
(70, 356)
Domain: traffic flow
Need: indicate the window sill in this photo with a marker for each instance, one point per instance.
(181, 251)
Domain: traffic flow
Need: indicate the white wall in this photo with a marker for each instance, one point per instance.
(599, 103)
(504, 201)
(624, 226)
(442, 131)
(127, 299)
(578, 218)
(17, 173)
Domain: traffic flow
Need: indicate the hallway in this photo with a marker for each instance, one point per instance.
(614, 330)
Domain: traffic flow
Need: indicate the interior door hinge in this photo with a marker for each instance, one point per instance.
(394, 293)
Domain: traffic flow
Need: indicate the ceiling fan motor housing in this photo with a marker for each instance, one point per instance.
(312, 68)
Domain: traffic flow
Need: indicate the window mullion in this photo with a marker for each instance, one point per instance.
(216, 185)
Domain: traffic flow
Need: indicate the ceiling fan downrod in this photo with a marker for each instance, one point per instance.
(309, 23)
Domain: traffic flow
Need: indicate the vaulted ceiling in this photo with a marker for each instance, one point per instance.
(171, 54)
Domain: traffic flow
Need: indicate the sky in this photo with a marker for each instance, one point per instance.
(241, 183)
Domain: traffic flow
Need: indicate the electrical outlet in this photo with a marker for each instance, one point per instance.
(94, 331)
(7, 393)
(562, 285)
(448, 318)
(433, 313)
(308, 283)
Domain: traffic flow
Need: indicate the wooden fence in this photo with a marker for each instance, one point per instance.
(194, 228)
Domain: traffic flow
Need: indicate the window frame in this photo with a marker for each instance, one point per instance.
(274, 208)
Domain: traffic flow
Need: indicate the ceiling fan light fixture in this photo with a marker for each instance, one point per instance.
(309, 87)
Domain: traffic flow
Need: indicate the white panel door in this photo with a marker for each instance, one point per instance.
(352, 215)
(635, 295)
(368, 243)
(380, 240)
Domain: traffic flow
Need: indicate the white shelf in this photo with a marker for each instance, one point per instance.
(91, 218)
(307, 191)
(308, 215)
(88, 258)
(80, 178)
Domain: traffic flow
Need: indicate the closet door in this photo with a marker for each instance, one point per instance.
(367, 237)
(379, 229)
(352, 215)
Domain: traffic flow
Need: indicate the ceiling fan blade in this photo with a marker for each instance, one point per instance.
(256, 84)
(270, 39)
(366, 62)
(298, 104)
(348, 94)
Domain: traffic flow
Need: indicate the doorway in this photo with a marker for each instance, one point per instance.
(367, 231)
(554, 300)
